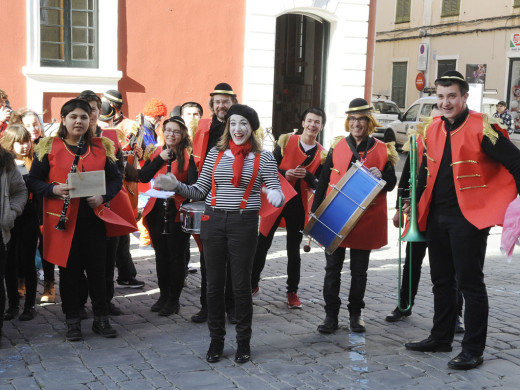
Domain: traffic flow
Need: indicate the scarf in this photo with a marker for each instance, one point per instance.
(240, 152)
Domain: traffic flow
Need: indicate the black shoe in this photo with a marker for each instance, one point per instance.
(170, 307)
(243, 354)
(231, 316)
(159, 304)
(130, 283)
(28, 314)
(216, 348)
(465, 361)
(11, 313)
(113, 310)
(201, 316)
(397, 315)
(101, 326)
(428, 345)
(83, 313)
(73, 330)
(330, 324)
(459, 325)
(192, 270)
(357, 325)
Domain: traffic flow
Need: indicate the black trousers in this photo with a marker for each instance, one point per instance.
(124, 263)
(3, 259)
(294, 215)
(418, 251)
(87, 254)
(457, 250)
(229, 235)
(21, 257)
(169, 250)
(358, 274)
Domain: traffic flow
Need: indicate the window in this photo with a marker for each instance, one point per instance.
(445, 65)
(399, 83)
(68, 33)
(402, 14)
(411, 114)
(516, 3)
(450, 8)
(426, 110)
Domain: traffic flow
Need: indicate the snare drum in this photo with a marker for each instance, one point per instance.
(190, 214)
(339, 213)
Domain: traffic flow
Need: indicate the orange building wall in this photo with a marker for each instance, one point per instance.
(13, 51)
(177, 50)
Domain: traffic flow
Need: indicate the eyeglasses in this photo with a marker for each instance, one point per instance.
(361, 119)
(174, 132)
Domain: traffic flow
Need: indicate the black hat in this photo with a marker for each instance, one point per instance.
(223, 89)
(176, 111)
(192, 104)
(454, 76)
(113, 95)
(358, 105)
(247, 112)
(176, 119)
(107, 112)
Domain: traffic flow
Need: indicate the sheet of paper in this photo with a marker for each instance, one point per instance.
(159, 194)
(87, 184)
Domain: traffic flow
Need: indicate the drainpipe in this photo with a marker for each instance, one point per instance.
(371, 41)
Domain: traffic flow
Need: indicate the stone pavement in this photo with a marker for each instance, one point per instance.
(154, 352)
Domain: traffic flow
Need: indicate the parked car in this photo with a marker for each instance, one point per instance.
(397, 130)
(386, 111)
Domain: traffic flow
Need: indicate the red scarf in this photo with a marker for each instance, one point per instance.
(240, 152)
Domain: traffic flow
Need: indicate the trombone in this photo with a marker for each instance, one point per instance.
(413, 234)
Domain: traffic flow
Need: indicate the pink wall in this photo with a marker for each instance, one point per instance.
(179, 50)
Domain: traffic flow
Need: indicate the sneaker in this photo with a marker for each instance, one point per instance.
(28, 314)
(130, 283)
(293, 302)
(256, 291)
(48, 292)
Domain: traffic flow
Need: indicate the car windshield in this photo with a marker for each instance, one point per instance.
(385, 108)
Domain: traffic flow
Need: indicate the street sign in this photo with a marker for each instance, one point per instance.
(420, 81)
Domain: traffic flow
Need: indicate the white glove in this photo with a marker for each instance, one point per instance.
(275, 197)
(166, 182)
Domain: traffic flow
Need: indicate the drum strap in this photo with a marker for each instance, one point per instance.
(353, 148)
(249, 188)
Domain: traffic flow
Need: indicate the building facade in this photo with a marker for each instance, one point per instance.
(478, 38)
(279, 56)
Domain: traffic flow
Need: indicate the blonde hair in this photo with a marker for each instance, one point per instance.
(372, 122)
(17, 133)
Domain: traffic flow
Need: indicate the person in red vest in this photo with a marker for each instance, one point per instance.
(470, 175)
(371, 230)
(299, 159)
(161, 216)
(231, 183)
(81, 245)
(206, 137)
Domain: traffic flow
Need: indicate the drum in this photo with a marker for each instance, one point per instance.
(338, 214)
(190, 214)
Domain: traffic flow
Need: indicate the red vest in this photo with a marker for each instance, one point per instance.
(371, 232)
(181, 176)
(292, 157)
(56, 243)
(200, 142)
(483, 186)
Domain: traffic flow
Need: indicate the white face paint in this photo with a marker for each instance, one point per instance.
(240, 129)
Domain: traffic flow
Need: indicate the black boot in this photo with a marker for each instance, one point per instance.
(243, 354)
(73, 329)
(159, 304)
(101, 326)
(216, 348)
(201, 316)
(170, 307)
(330, 324)
(28, 314)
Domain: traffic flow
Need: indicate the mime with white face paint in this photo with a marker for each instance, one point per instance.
(230, 182)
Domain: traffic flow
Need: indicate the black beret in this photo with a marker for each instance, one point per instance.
(247, 112)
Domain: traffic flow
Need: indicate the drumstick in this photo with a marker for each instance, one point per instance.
(307, 247)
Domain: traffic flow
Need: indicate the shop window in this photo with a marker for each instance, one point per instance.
(450, 8)
(402, 14)
(68, 33)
